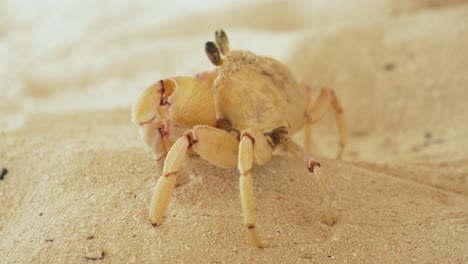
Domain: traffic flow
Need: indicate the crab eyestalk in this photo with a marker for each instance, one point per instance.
(181, 100)
(213, 53)
(222, 41)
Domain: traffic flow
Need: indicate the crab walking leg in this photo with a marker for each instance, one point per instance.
(319, 107)
(163, 138)
(263, 147)
(215, 145)
(307, 137)
(312, 165)
(246, 188)
(307, 126)
(165, 186)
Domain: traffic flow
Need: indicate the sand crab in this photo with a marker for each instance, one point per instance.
(233, 116)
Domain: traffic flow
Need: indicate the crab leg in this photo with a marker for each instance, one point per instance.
(246, 188)
(165, 185)
(317, 110)
(312, 165)
(215, 145)
(163, 138)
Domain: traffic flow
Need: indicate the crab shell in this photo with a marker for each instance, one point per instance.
(253, 91)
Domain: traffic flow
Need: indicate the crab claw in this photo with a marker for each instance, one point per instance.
(185, 101)
(145, 109)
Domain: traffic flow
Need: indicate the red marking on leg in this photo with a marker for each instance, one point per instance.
(190, 139)
(163, 90)
(170, 173)
(252, 139)
(312, 164)
(160, 158)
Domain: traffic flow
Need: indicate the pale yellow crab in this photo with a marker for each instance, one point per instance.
(233, 116)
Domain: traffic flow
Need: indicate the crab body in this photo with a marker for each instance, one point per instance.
(256, 91)
(233, 116)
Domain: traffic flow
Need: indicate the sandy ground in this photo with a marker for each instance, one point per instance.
(79, 180)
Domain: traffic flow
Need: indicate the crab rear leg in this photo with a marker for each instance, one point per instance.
(215, 145)
(312, 164)
(317, 110)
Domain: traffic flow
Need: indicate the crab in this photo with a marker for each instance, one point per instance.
(233, 116)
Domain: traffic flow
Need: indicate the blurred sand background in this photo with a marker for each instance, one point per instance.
(80, 180)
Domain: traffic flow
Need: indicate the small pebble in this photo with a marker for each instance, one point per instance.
(95, 255)
(49, 239)
(389, 66)
(3, 173)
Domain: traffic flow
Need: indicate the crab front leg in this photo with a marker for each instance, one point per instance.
(166, 183)
(163, 139)
(317, 110)
(261, 153)
(246, 188)
(215, 145)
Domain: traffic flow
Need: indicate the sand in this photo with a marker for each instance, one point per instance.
(79, 180)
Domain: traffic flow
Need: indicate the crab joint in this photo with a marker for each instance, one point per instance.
(190, 138)
(312, 164)
(278, 136)
(224, 124)
(246, 134)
